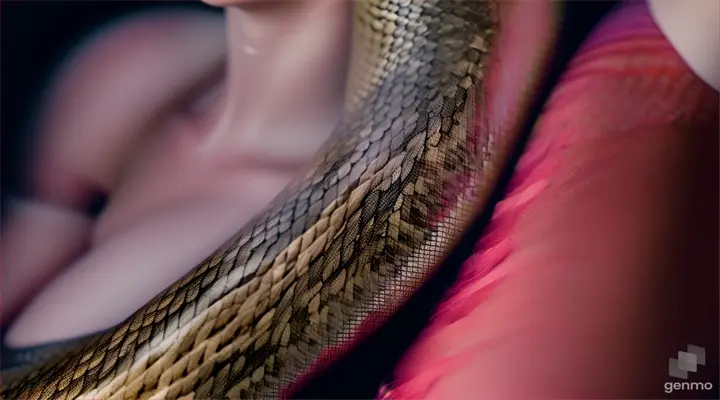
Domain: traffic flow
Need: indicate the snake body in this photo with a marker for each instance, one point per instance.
(341, 249)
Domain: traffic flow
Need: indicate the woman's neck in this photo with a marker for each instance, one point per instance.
(286, 68)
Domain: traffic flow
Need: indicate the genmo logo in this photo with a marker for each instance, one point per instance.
(677, 386)
(686, 361)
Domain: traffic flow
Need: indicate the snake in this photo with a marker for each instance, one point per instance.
(342, 247)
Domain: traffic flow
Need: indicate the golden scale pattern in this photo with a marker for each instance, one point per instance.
(350, 241)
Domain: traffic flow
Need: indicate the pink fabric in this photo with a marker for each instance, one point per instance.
(571, 253)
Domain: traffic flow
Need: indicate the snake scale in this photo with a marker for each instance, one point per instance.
(341, 249)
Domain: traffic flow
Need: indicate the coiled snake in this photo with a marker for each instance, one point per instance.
(342, 248)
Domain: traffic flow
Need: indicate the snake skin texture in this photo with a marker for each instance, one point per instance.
(341, 248)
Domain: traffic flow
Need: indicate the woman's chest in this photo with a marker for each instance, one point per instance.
(171, 179)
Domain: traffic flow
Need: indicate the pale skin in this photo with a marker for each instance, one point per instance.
(179, 183)
(195, 180)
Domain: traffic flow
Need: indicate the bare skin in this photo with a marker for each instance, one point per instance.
(89, 109)
(158, 225)
(180, 182)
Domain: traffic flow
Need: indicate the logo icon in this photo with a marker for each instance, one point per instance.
(687, 361)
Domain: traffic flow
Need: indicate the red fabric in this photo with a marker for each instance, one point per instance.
(608, 230)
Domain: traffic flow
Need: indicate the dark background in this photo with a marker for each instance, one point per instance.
(35, 37)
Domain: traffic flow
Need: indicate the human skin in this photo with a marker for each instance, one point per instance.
(528, 285)
(88, 125)
(187, 180)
